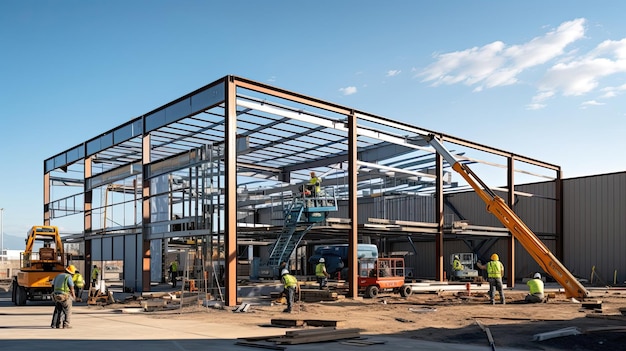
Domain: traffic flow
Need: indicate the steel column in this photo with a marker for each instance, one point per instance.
(230, 176)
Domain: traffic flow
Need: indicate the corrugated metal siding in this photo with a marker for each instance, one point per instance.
(595, 225)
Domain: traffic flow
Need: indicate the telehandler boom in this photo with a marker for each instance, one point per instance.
(496, 206)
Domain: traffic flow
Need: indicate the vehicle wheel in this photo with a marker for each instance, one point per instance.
(371, 291)
(20, 296)
(406, 291)
(14, 292)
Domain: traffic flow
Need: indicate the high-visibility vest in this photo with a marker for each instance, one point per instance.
(316, 182)
(174, 267)
(495, 269)
(457, 266)
(62, 283)
(535, 286)
(94, 273)
(320, 268)
(290, 281)
(79, 282)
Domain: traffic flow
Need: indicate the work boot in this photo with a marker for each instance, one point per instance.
(493, 302)
(286, 310)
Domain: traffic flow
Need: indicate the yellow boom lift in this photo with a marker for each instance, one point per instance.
(38, 268)
(496, 206)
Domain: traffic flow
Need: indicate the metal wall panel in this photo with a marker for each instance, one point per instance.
(96, 250)
(118, 248)
(107, 248)
(131, 272)
(595, 226)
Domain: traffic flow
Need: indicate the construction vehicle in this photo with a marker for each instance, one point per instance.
(336, 256)
(468, 272)
(383, 274)
(520, 231)
(38, 268)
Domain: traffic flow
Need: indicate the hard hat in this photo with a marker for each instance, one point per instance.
(495, 257)
(284, 271)
(456, 257)
(70, 269)
(322, 260)
(537, 276)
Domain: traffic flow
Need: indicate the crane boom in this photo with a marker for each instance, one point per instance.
(520, 231)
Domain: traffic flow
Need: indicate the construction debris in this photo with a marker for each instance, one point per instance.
(242, 308)
(557, 333)
(280, 322)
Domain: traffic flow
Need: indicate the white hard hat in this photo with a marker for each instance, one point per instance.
(537, 276)
(456, 257)
(322, 260)
(284, 271)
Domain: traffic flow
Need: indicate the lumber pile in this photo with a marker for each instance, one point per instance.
(316, 295)
(294, 337)
(292, 323)
(169, 301)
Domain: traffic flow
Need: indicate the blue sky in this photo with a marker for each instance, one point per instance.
(545, 79)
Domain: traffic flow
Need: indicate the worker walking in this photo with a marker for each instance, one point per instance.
(535, 287)
(495, 272)
(321, 274)
(79, 284)
(95, 274)
(289, 282)
(62, 296)
(173, 272)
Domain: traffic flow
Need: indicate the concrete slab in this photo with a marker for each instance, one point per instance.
(95, 329)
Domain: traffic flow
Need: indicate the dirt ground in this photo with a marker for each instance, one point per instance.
(452, 317)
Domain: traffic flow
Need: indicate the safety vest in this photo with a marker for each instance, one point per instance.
(457, 266)
(319, 270)
(535, 286)
(79, 282)
(94, 273)
(316, 182)
(495, 269)
(62, 283)
(174, 267)
(290, 281)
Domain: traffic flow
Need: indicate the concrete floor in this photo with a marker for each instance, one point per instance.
(95, 329)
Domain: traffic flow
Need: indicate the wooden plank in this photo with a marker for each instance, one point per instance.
(261, 346)
(307, 332)
(287, 322)
(323, 323)
(556, 333)
(328, 336)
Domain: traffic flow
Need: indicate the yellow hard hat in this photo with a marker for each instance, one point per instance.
(495, 257)
(70, 269)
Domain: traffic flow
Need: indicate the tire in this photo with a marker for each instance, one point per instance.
(20, 296)
(406, 291)
(14, 292)
(371, 291)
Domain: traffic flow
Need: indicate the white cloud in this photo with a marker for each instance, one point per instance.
(348, 90)
(392, 73)
(495, 64)
(610, 92)
(592, 103)
(535, 106)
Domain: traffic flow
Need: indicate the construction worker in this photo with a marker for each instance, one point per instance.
(79, 283)
(62, 296)
(535, 287)
(315, 184)
(95, 274)
(320, 273)
(173, 272)
(495, 272)
(289, 282)
(456, 264)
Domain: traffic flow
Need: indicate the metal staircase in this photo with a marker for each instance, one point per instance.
(300, 216)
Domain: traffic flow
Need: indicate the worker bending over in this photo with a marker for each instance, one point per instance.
(290, 283)
(535, 287)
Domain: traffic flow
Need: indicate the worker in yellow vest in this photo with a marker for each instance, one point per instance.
(79, 284)
(321, 274)
(495, 272)
(62, 296)
(535, 287)
(290, 283)
(174, 272)
(95, 274)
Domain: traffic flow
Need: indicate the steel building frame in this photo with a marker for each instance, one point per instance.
(231, 147)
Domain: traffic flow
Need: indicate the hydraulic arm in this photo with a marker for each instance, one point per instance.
(496, 206)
